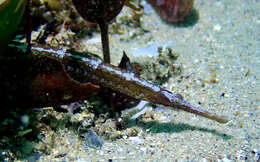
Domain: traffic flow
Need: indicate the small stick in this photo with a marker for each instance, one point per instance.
(105, 40)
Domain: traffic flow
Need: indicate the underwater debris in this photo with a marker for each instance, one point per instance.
(172, 11)
(159, 69)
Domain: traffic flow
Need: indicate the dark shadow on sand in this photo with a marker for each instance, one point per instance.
(156, 127)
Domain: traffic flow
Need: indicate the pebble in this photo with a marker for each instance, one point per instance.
(217, 27)
(226, 160)
(93, 40)
(136, 140)
(92, 140)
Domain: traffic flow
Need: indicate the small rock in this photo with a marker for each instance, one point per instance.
(136, 140)
(217, 27)
(226, 159)
(92, 140)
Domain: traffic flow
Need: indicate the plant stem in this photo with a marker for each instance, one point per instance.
(105, 41)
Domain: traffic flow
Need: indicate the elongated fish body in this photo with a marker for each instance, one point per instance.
(109, 76)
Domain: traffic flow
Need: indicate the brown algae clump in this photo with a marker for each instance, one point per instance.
(162, 67)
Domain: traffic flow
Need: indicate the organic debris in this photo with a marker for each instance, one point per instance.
(161, 68)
